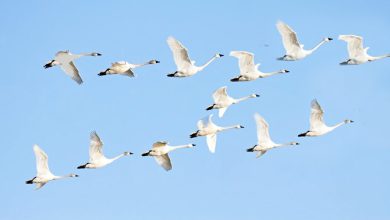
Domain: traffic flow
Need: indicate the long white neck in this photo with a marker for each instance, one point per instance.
(85, 54)
(180, 146)
(242, 99)
(62, 177)
(228, 127)
(337, 125)
(139, 65)
(263, 75)
(117, 157)
(208, 63)
(316, 47)
(379, 57)
(285, 144)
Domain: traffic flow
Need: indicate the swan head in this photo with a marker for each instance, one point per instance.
(239, 126)
(328, 39)
(73, 175)
(95, 54)
(294, 143)
(127, 153)
(255, 95)
(284, 71)
(347, 121)
(219, 55)
(153, 62)
(191, 145)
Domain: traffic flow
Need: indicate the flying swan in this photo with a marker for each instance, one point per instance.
(124, 68)
(294, 50)
(160, 150)
(317, 124)
(65, 60)
(44, 174)
(96, 156)
(248, 69)
(358, 54)
(206, 127)
(264, 142)
(222, 100)
(185, 66)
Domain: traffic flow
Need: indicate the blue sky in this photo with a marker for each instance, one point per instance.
(343, 175)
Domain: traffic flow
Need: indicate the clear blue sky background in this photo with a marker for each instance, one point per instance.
(343, 175)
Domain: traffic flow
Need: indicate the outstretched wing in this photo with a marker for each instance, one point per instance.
(71, 70)
(41, 161)
(316, 116)
(211, 140)
(246, 61)
(205, 122)
(164, 161)
(263, 137)
(95, 148)
(289, 37)
(180, 53)
(160, 144)
(355, 45)
(220, 95)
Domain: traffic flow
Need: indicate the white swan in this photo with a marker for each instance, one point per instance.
(222, 100)
(294, 50)
(65, 60)
(248, 70)
(264, 142)
(96, 156)
(44, 174)
(124, 68)
(160, 150)
(317, 124)
(185, 66)
(358, 54)
(206, 127)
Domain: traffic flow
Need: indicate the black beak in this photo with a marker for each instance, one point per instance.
(98, 54)
(157, 61)
(257, 95)
(221, 55)
(241, 126)
(76, 175)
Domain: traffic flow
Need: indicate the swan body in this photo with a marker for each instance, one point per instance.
(248, 69)
(160, 150)
(206, 127)
(294, 50)
(185, 66)
(124, 68)
(65, 60)
(96, 156)
(222, 100)
(44, 174)
(317, 124)
(264, 142)
(358, 54)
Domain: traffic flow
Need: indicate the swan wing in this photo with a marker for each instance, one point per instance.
(246, 61)
(355, 45)
(39, 185)
(260, 153)
(262, 130)
(71, 70)
(220, 95)
(129, 73)
(95, 148)
(222, 111)
(316, 116)
(289, 37)
(41, 162)
(180, 53)
(160, 144)
(205, 122)
(211, 140)
(164, 161)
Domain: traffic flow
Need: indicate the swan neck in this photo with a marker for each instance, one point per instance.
(242, 99)
(316, 47)
(208, 63)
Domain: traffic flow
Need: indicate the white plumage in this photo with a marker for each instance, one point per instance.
(124, 68)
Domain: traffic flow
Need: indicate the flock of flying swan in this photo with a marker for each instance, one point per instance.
(222, 101)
